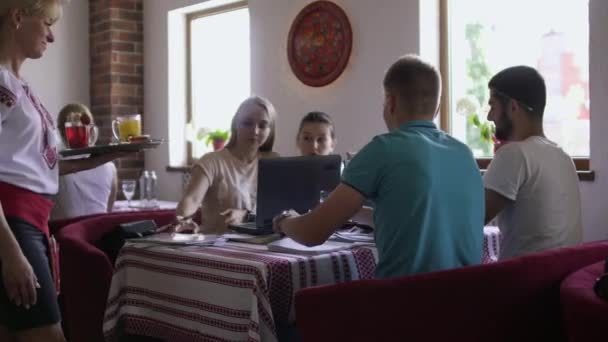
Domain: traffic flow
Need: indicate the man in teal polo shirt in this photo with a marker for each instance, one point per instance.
(426, 186)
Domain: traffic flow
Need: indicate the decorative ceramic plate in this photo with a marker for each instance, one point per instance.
(319, 44)
(102, 149)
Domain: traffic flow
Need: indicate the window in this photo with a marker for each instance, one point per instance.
(219, 64)
(481, 37)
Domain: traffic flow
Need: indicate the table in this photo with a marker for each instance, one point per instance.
(235, 292)
(123, 206)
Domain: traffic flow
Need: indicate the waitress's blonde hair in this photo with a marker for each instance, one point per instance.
(47, 8)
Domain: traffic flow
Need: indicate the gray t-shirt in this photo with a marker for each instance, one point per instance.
(540, 179)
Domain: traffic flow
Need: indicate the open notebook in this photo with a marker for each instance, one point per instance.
(287, 245)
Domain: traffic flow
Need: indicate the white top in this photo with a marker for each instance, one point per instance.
(541, 180)
(28, 138)
(84, 193)
(233, 184)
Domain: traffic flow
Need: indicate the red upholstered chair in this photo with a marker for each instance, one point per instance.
(585, 314)
(86, 271)
(513, 300)
(56, 225)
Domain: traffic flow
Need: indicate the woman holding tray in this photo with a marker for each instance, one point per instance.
(29, 169)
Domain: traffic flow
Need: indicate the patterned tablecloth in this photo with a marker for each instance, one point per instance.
(235, 292)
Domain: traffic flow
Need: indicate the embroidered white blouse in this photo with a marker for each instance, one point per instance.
(28, 138)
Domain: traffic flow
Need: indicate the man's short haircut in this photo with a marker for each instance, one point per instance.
(524, 85)
(416, 83)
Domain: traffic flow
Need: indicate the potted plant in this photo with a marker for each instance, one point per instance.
(216, 137)
(467, 107)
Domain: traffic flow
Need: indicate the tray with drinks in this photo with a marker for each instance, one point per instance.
(81, 135)
(134, 146)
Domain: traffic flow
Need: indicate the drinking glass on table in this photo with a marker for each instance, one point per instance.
(128, 189)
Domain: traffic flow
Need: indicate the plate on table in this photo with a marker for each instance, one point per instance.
(122, 147)
(182, 239)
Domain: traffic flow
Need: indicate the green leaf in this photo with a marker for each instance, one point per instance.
(485, 132)
(474, 120)
(218, 134)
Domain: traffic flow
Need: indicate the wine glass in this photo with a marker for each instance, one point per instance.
(128, 189)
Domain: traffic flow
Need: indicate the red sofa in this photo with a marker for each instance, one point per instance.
(86, 271)
(585, 314)
(513, 300)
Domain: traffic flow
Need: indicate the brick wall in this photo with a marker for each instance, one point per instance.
(116, 48)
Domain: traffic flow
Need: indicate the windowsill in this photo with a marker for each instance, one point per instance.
(181, 169)
(586, 176)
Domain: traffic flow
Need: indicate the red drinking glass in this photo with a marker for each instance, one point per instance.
(76, 135)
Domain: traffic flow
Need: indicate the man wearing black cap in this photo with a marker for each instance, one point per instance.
(531, 184)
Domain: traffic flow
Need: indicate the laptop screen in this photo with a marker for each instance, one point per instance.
(294, 183)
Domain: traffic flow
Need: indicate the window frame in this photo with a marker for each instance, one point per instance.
(189, 18)
(582, 163)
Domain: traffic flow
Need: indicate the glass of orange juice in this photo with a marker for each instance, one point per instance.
(126, 126)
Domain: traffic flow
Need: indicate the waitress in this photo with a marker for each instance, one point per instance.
(29, 169)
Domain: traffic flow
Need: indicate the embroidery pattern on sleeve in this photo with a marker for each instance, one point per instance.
(7, 97)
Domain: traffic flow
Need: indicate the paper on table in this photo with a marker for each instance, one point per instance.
(347, 236)
(287, 245)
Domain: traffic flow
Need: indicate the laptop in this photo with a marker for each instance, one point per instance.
(290, 183)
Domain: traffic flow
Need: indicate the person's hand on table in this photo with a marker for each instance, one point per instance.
(234, 216)
(282, 221)
(181, 224)
(19, 280)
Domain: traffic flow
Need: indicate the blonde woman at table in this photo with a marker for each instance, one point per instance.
(224, 183)
(86, 192)
(29, 169)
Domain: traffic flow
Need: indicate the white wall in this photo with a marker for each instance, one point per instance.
(382, 30)
(62, 74)
(159, 116)
(595, 213)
